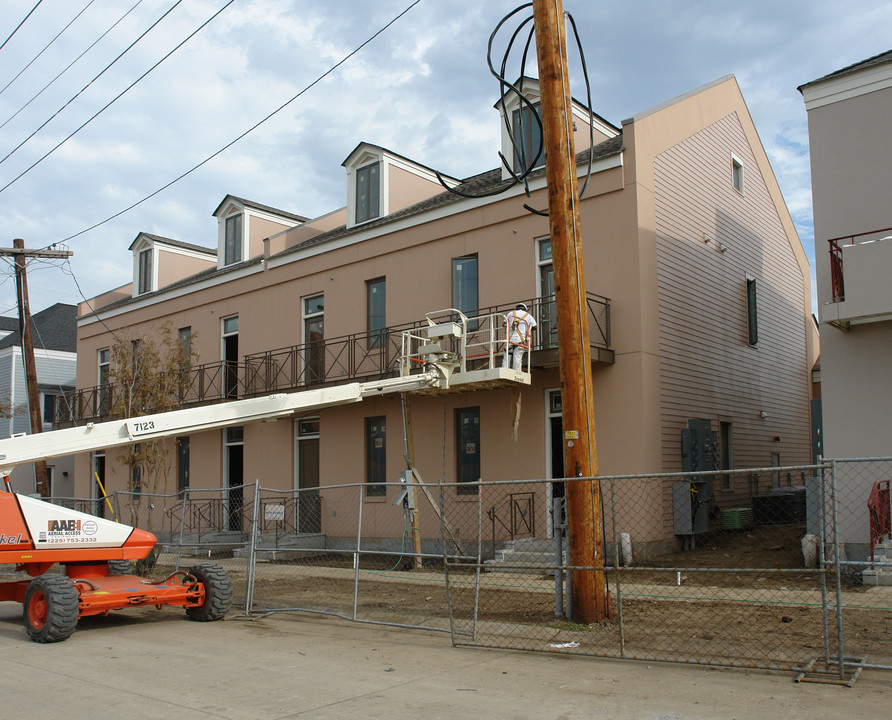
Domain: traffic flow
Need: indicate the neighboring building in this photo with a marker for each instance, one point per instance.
(851, 173)
(54, 333)
(699, 304)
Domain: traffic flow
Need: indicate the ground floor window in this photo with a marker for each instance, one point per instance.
(467, 434)
(375, 456)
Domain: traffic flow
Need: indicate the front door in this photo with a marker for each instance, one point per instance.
(235, 471)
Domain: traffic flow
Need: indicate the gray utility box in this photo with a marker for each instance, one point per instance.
(691, 502)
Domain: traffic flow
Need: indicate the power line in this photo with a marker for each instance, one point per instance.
(48, 120)
(246, 132)
(116, 98)
(20, 24)
(69, 66)
(58, 35)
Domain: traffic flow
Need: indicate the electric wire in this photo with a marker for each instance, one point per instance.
(45, 47)
(20, 24)
(508, 89)
(71, 64)
(78, 93)
(87, 302)
(251, 129)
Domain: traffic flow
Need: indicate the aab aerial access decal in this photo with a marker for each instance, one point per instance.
(55, 526)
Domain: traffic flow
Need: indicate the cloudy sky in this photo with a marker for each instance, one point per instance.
(421, 88)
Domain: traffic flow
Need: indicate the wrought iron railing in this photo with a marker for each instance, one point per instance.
(514, 517)
(334, 360)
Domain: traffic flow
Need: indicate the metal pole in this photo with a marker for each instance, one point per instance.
(252, 553)
(835, 519)
(558, 538)
(356, 556)
(580, 454)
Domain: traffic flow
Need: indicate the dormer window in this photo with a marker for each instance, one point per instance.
(368, 193)
(232, 243)
(144, 271)
(527, 133)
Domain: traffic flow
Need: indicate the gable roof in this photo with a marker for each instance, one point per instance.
(259, 206)
(881, 59)
(173, 243)
(53, 329)
(8, 324)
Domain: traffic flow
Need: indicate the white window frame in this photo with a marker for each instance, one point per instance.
(240, 254)
(737, 179)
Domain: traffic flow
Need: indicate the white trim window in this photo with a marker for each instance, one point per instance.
(368, 192)
(737, 174)
(233, 240)
(144, 271)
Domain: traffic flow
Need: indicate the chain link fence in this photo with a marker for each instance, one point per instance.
(777, 568)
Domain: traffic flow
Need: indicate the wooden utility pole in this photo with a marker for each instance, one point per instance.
(580, 453)
(21, 283)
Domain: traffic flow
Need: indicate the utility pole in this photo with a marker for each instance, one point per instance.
(580, 453)
(21, 283)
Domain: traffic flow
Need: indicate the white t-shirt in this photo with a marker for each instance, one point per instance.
(520, 325)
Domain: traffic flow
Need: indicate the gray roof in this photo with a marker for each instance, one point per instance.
(174, 243)
(52, 329)
(260, 206)
(881, 59)
(487, 182)
(8, 324)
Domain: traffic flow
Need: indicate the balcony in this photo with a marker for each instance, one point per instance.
(349, 358)
(860, 266)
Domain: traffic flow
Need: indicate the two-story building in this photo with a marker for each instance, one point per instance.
(54, 334)
(698, 305)
(851, 172)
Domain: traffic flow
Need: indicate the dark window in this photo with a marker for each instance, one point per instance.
(232, 242)
(367, 193)
(527, 137)
(314, 338)
(145, 272)
(377, 303)
(136, 470)
(751, 312)
(182, 463)
(467, 434)
(49, 409)
(375, 456)
(464, 284)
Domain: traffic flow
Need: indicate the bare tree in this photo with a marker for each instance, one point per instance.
(151, 374)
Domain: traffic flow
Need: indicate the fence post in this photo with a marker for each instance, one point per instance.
(835, 521)
(252, 552)
(356, 556)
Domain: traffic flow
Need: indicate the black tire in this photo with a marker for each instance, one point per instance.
(217, 593)
(120, 567)
(50, 610)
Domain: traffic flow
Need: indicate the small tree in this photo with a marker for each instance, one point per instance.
(151, 374)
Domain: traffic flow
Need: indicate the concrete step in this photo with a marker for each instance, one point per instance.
(877, 576)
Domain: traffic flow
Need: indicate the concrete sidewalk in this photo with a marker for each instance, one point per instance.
(151, 664)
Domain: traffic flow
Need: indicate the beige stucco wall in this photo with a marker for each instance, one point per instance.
(174, 266)
(620, 243)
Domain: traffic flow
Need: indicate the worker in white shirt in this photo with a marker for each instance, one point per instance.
(519, 326)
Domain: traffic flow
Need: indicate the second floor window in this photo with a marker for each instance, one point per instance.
(377, 301)
(367, 193)
(232, 242)
(104, 365)
(144, 276)
(464, 284)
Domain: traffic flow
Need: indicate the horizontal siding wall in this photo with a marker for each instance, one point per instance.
(707, 368)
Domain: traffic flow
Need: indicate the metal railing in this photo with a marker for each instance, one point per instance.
(837, 279)
(346, 358)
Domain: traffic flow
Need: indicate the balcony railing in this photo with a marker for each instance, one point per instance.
(837, 280)
(334, 360)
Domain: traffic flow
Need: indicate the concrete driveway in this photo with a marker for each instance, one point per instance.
(151, 664)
